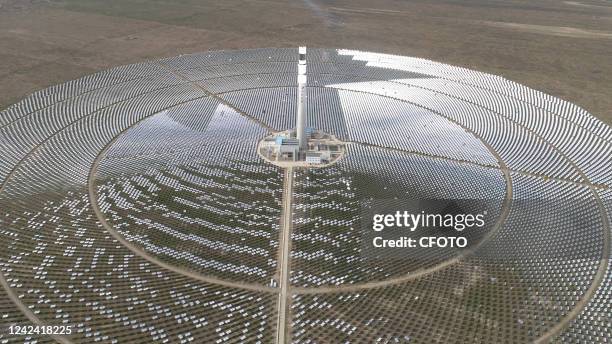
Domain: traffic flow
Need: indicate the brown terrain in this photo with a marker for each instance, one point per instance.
(563, 48)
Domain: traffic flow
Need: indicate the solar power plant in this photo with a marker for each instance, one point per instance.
(134, 206)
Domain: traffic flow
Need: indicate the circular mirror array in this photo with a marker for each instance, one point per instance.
(135, 206)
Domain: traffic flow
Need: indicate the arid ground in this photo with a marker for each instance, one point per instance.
(560, 47)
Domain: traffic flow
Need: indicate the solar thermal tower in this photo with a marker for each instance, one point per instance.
(301, 108)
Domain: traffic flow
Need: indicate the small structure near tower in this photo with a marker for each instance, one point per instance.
(283, 149)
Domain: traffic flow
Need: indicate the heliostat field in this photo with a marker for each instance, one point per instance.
(134, 205)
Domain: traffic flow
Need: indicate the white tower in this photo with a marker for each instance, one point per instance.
(301, 108)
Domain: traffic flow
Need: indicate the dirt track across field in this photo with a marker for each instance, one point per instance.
(559, 47)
